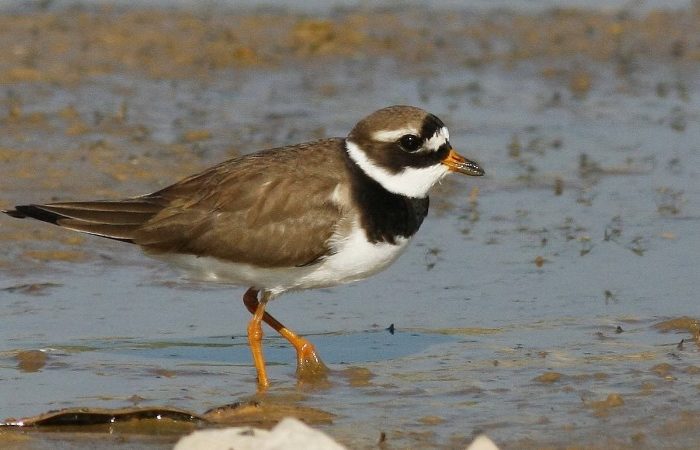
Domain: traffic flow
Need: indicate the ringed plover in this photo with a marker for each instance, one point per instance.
(303, 216)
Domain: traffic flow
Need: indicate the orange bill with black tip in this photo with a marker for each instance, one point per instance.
(458, 163)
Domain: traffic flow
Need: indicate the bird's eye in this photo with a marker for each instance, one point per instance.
(410, 142)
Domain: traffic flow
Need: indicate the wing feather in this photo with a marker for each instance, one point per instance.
(110, 219)
(267, 209)
(274, 208)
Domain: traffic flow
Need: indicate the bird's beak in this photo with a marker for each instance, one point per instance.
(458, 163)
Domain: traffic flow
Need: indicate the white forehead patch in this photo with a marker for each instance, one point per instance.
(393, 135)
(434, 143)
(440, 138)
(411, 181)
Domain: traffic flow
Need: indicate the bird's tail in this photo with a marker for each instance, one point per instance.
(117, 220)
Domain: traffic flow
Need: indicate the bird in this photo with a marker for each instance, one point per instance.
(311, 215)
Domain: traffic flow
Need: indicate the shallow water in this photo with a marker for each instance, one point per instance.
(526, 309)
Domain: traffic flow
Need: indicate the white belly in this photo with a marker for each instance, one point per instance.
(354, 259)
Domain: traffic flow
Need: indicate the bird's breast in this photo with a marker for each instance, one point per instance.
(354, 258)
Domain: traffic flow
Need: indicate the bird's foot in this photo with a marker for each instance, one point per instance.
(310, 368)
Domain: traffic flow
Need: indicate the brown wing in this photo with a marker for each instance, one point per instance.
(270, 209)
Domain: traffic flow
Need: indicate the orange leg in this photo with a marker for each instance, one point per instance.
(255, 335)
(309, 365)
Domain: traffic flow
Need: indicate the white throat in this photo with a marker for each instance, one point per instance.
(411, 181)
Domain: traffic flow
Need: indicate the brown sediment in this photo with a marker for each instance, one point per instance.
(602, 408)
(196, 135)
(682, 423)
(358, 377)
(663, 370)
(431, 420)
(681, 324)
(265, 413)
(31, 360)
(71, 45)
(55, 255)
(548, 377)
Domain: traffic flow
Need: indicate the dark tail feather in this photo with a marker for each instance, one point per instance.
(17, 213)
(111, 219)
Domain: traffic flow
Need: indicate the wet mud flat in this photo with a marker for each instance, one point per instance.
(551, 304)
